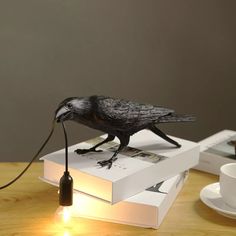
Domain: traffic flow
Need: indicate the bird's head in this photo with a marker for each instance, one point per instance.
(71, 107)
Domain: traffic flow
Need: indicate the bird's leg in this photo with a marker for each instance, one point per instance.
(124, 141)
(158, 132)
(93, 149)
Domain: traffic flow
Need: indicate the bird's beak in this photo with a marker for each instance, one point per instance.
(62, 113)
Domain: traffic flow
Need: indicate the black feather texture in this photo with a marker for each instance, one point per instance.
(176, 118)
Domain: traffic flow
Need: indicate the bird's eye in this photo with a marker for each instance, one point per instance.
(69, 105)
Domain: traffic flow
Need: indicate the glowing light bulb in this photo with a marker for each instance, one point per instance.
(63, 215)
(66, 215)
(66, 233)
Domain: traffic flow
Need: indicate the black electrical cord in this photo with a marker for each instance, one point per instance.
(66, 147)
(33, 159)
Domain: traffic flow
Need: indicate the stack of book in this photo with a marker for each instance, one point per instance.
(139, 188)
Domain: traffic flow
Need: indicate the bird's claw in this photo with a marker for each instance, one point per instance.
(107, 163)
(84, 151)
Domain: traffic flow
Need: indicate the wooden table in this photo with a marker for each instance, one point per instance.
(28, 206)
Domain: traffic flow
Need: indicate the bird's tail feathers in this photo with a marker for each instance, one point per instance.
(176, 118)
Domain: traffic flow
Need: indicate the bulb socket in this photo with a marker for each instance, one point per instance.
(66, 190)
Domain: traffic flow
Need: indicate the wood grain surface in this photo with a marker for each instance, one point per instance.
(28, 208)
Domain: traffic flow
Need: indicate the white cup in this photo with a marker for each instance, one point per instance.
(228, 184)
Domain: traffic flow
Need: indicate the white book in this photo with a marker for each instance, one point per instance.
(216, 151)
(145, 209)
(147, 161)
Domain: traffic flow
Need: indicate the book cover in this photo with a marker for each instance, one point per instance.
(146, 161)
(216, 151)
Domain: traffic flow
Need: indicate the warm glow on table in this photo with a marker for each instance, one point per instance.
(28, 208)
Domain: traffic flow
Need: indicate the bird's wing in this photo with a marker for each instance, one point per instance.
(121, 113)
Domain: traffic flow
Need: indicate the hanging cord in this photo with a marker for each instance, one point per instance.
(34, 157)
(66, 146)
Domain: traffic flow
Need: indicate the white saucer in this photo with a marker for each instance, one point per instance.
(211, 196)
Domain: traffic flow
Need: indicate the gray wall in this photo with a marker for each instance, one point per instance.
(179, 54)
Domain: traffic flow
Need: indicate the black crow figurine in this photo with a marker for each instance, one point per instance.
(118, 118)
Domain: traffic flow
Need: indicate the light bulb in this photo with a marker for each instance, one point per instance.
(66, 233)
(64, 221)
(63, 215)
(66, 214)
